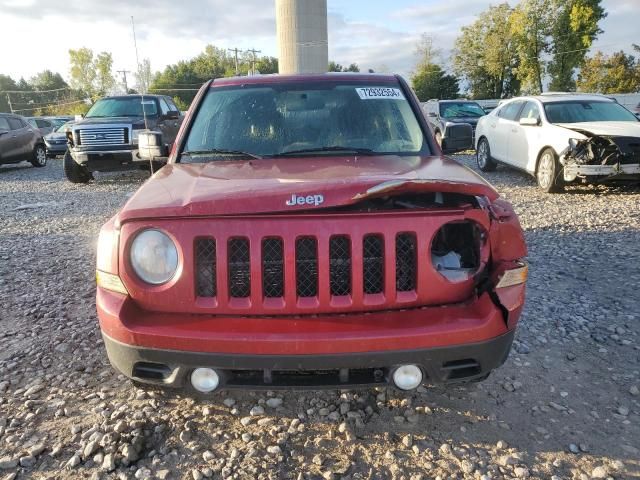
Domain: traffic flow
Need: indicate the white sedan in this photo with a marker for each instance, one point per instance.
(561, 138)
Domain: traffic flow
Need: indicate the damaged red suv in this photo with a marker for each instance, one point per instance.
(308, 232)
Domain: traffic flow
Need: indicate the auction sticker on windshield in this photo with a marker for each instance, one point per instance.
(370, 93)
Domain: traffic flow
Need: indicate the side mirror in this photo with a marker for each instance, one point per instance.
(150, 145)
(529, 122)
(459, 137)
(172, 115)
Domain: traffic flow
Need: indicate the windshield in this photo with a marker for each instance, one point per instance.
(461, 109)
(587, 111)
(324, 118)
(123, 107)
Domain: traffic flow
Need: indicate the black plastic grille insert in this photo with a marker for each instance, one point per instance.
(272, 268)
(206, 267)
(406, 258)
(306, 267)
(340, 265)
(239, 268)
(373, 263)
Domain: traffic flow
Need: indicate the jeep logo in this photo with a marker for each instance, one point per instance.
(314, 200)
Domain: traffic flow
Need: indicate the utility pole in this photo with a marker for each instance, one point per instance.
(253, 61)
(9, 102)
(124, 75)
(235, 51)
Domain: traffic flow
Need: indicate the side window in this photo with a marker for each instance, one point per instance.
(164, 107)
(4, 124)
(32, 122)
(42, 123)
(530, 110)
(172, 106)
(510, 110)
(15, 123)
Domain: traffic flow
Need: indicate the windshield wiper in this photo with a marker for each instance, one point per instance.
(333, 148)
(221, 151)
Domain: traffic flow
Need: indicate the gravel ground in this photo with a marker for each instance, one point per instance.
(565, 405)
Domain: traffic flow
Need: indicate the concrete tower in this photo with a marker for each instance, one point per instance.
(302, 36)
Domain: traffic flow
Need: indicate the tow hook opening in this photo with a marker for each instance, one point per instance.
(456, 250)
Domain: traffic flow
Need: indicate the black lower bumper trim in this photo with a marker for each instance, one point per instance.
(171, 368)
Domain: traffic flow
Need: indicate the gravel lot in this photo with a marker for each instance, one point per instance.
(565, 405)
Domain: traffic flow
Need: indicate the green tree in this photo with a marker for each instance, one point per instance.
(574, 29)
(485, 57)
(47, 80)
(266, 65)
(616, 73)
(336, 67)
(144, 76)
(430, 81)
(83, 72)
(6, 83)
(531, 27)
(104, 81)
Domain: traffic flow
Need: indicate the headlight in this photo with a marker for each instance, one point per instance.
(154, 257)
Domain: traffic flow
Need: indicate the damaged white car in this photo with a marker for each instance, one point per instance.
(562, 139)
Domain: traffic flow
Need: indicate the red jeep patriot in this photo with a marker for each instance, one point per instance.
(308, 232)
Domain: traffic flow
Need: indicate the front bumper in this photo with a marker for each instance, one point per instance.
(602, 172)
(108, 158)
(441, 365)
(450, 343)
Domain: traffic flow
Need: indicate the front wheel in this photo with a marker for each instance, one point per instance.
(39, 158)
(549, 172)
(483, 156)
(75, 173)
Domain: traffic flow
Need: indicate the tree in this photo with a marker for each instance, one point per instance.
(104, 81)
(6, 83)
(531, 24)
(430, 81)
(485, 55)
(573, 31)
(336, 67)
(83, 72)
(616, 73)
(47, 80)
(144, 76)
(266, 65)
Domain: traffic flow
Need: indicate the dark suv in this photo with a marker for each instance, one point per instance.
(107, 138)
(442, 114)
(20, 141)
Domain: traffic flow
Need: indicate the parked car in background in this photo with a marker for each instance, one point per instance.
(443, 114)
(106, 139)
(60, 120)
(561, 139)
(45, 126)
(20, 141)
(56, 141)
(307, 232)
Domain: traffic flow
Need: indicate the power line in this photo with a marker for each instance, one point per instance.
(124, 75)
(31, 92)
(236, 51)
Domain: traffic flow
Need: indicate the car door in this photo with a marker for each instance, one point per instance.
(173, 121)
(523, 136)
(504, 123)
(23, 135)
(7, 140)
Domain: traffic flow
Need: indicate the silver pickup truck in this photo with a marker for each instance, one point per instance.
(106, 139)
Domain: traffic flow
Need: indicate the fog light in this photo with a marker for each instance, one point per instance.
(407, 377)
(205, 380)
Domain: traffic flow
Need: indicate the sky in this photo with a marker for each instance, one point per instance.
(383, 35)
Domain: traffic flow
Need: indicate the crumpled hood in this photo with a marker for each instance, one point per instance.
(613, 129)
(269, 185)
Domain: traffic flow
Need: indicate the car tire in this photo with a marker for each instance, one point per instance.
(39, 158)
(549, 172)
(75, 173)
(483, 156)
